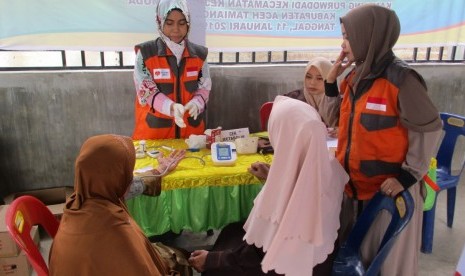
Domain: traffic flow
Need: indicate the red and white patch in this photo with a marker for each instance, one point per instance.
(192, 72)
(378, 104)
(161, 74)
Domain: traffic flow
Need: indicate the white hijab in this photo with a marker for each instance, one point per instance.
(328, 107)
(323, 65)
(295, 217)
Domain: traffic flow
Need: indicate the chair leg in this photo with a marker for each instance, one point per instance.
(428, 230)
(451, 192)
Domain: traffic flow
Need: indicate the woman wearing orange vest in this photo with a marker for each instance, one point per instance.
(172, 79)
(388, 129)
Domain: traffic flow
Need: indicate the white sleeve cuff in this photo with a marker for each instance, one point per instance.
(166, 107)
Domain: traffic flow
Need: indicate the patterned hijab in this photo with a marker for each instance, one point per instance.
(166, 6)
(372, 31)
(163, 9)
(295, 216)
(96, 229)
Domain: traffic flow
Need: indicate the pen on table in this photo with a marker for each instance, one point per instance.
(167, 148)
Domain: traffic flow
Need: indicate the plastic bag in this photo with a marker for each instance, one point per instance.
(430, 185)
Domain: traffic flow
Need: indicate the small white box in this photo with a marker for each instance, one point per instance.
(246, 145)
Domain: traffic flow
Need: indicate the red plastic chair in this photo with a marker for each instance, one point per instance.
(23, 213)
(265, 111)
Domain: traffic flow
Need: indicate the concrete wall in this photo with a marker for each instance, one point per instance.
(46, 116)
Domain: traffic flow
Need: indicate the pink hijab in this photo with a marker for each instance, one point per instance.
(295, 217)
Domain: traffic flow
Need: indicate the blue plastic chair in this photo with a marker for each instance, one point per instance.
(348, 261)
(453, 126)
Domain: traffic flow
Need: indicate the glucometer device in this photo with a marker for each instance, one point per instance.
(223, 153)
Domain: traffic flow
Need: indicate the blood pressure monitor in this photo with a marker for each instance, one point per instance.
(224, 153)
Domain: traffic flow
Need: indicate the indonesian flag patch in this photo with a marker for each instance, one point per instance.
(375, 103)
(160, 74)
(192, 72)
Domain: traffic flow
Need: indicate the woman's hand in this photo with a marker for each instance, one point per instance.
(332, 132)
(178, 114)
(338, 68)
(260, 170)
(167, 164)
(391, 187)
(197, 260)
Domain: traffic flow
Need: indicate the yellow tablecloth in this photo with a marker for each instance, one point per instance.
(197, 195)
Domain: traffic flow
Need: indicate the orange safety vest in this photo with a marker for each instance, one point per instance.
(177, 82)
(372, 142)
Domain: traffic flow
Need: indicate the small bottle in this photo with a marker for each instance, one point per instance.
(142, 145)
(140, 150)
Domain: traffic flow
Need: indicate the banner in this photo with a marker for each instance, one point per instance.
(221, 25)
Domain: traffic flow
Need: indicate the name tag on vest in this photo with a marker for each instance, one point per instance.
(160, 74)
(192, 72)
(378, 104)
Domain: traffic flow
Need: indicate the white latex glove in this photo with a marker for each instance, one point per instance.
(193, 109)
(178, 114)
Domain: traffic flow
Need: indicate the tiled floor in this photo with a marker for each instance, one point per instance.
(447, 246)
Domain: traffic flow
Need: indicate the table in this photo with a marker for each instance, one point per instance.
(196, 196)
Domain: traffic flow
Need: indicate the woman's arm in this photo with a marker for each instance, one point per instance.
(419, 115)
(200, 97)
(241, 259)
(146, 89)
(149, 183)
